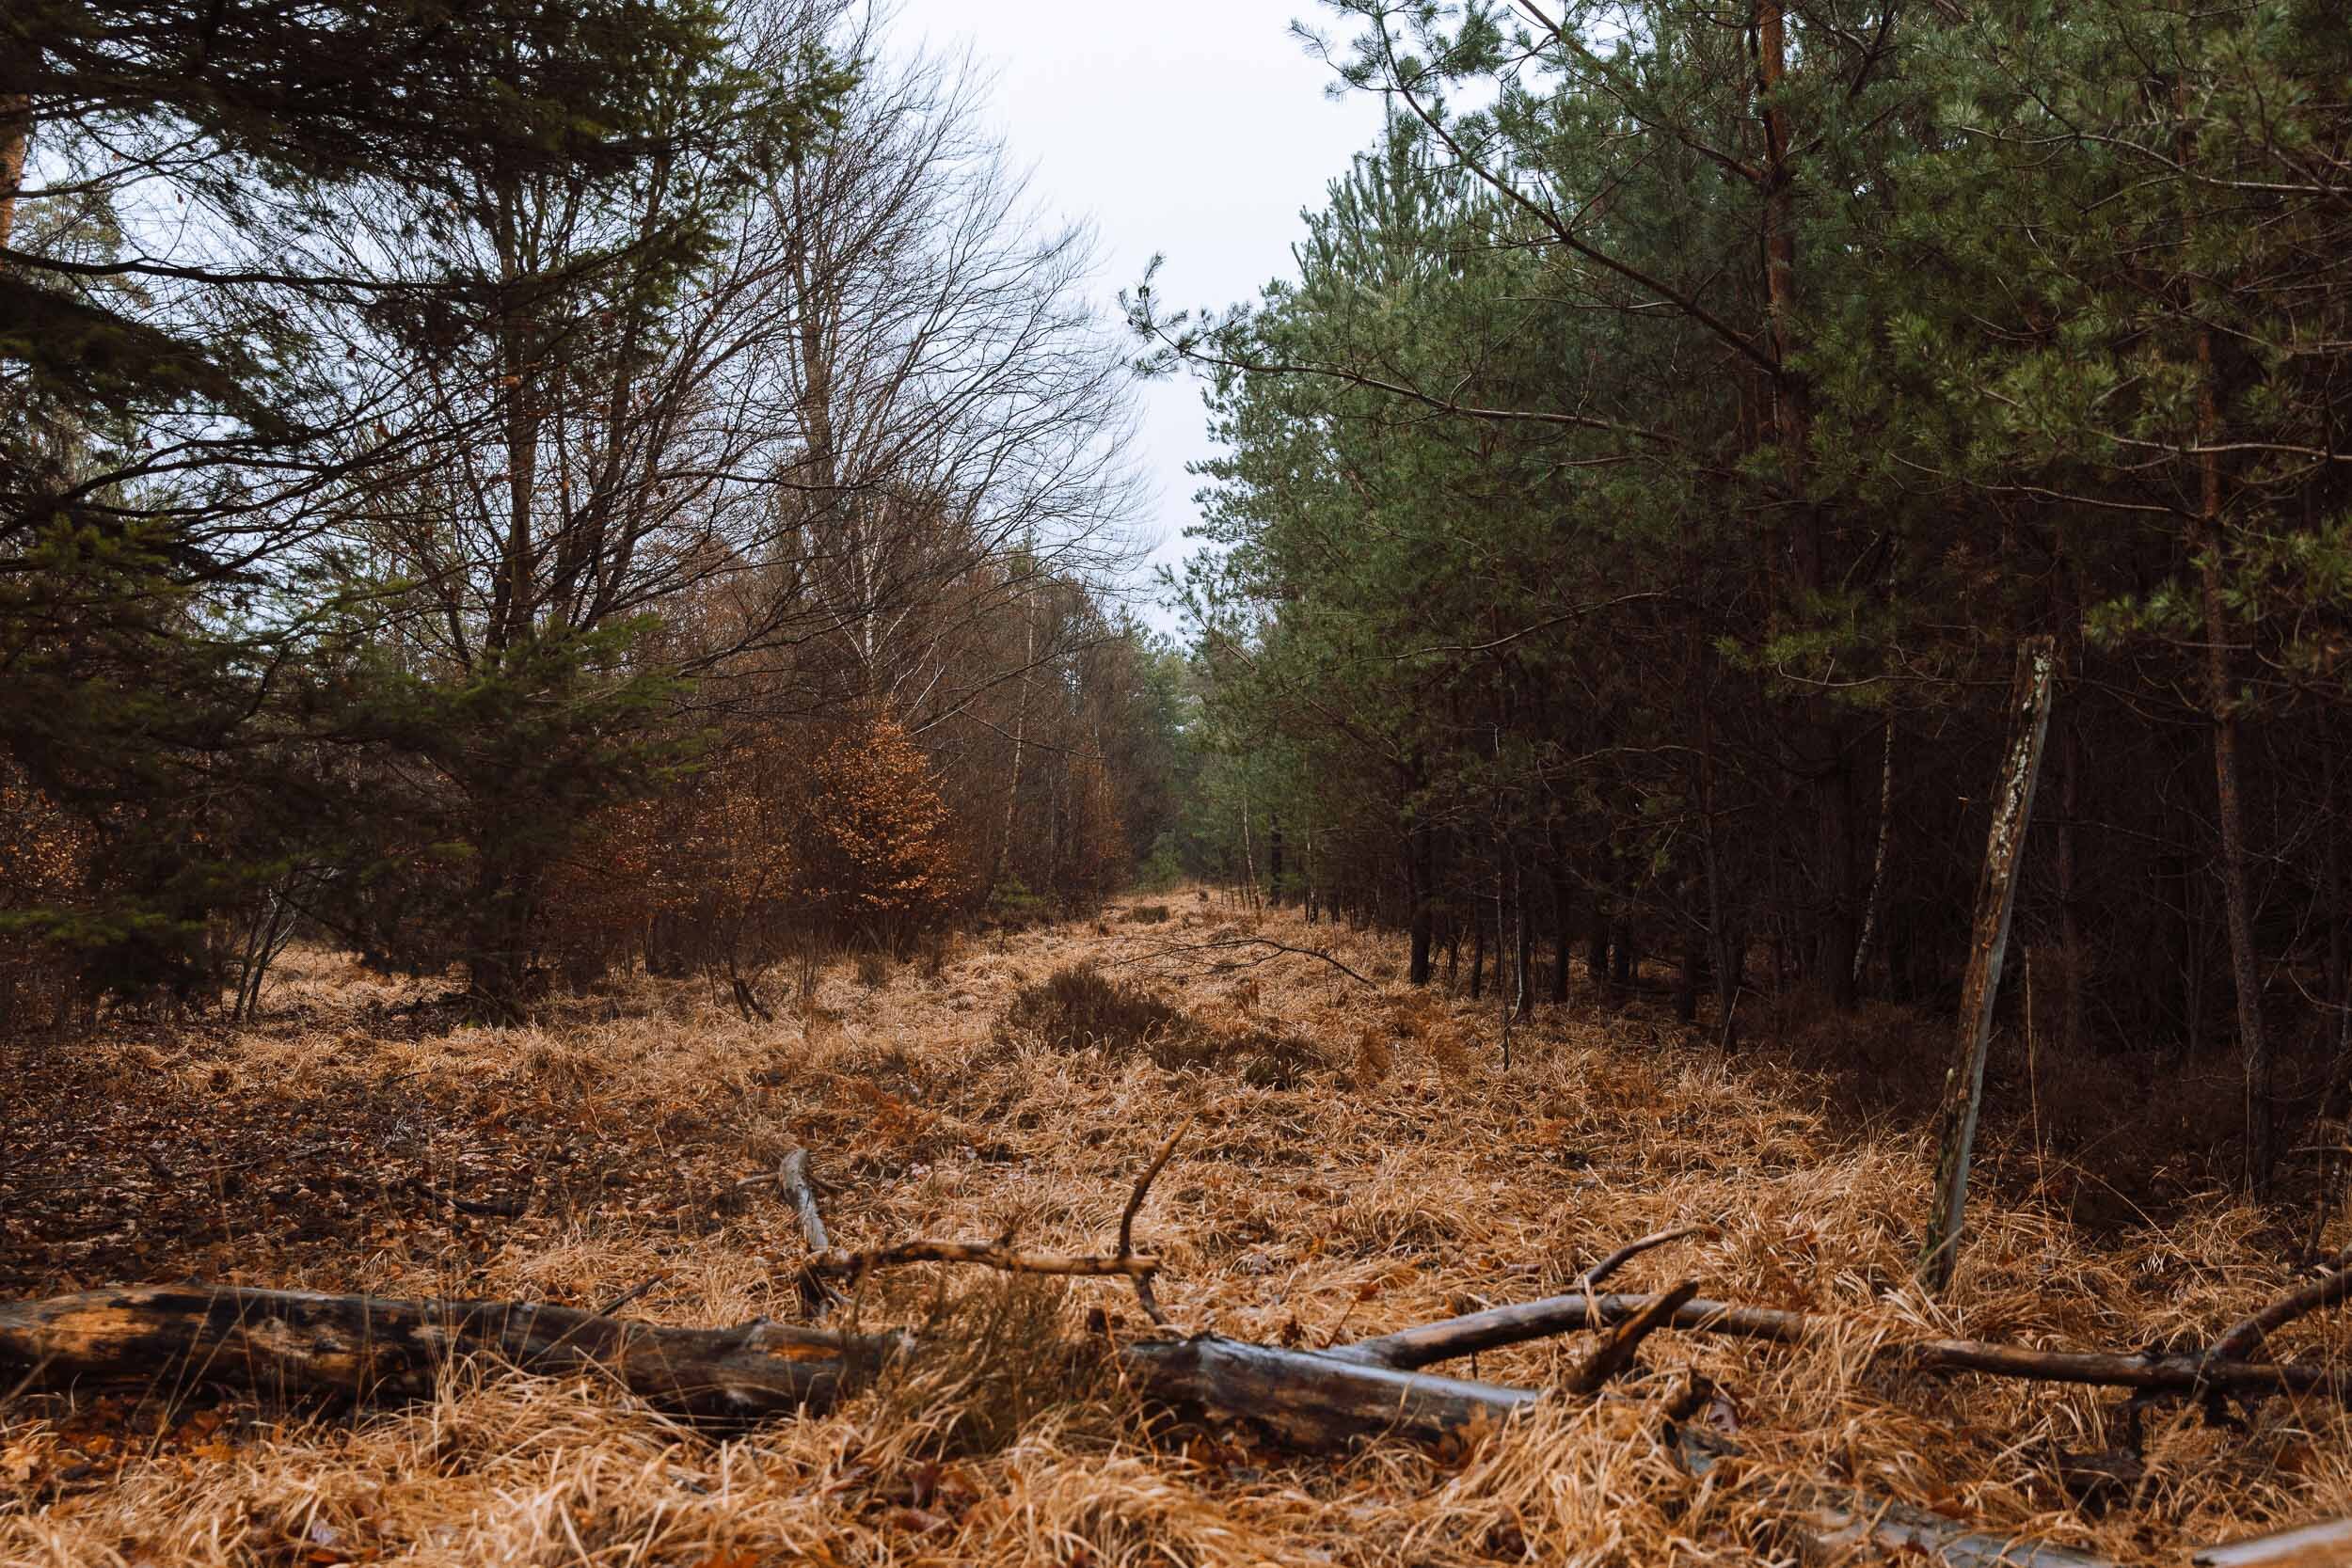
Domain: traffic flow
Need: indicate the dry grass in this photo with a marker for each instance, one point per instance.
(1405, 1181)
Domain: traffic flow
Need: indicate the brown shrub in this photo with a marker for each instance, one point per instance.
(990, 1363)
(1079, 1009)
(1076, 1008)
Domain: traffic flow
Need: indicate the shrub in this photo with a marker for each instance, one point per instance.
(1011, 903)
(878, 851)
(1077, 1009)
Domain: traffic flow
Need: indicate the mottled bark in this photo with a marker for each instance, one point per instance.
(1996, 887)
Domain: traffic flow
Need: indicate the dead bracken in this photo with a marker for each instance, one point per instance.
(1295, 1216)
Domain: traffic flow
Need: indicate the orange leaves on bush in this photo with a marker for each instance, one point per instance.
(877, 841)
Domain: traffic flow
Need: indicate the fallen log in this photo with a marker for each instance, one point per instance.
(1430, 1343)
(367, 1347)
(282, 1341)
(2320, 1546)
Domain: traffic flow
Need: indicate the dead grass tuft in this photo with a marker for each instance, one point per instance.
(1077, 1008)
(995, 1357)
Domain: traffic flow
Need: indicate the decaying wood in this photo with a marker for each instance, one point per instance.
(304, 1342)
(1431, 1344)
(818, 1298)
(2246, 1337)
(1997, 891)
(1616, 1353)
(2327, 1545)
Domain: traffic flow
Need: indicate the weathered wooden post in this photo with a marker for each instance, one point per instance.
(1996, 888)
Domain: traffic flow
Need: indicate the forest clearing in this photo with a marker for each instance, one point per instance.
(874, 781)
(1356, 1164)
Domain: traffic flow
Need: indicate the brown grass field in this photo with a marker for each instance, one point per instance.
(1359, 1163)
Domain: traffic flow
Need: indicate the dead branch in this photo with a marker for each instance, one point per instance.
(818, 1298)
(2304, 1547)
(1616, 1353)
(1134, 1203)
(1143, 1185)
(1844, 1525)
(302, 1342)
(1591, 1278)
(792, 1176)
(1430, 1343)
(635, 1292)
(1496, 1327)
(1172, 949)
(2246, 1339)
(855, 1266)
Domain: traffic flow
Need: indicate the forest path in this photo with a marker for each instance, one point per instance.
(1390, 1174)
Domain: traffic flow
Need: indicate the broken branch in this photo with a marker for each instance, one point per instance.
(1616, 1353)
(1591, 1278)
(2246, 1339)
(818, 1298)
(1511, 1325)
(1144, 1294)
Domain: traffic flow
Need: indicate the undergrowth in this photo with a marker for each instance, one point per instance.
(1391, 1173)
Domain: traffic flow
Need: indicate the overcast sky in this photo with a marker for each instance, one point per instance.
(1196, 131)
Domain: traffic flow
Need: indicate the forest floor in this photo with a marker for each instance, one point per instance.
(1359, 1163)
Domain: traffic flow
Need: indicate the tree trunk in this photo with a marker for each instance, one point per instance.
(1874, 901)
(1997, 891)
(1274, 861)
(1564, 942)
(2339, 970)
(16, 135)
(2228, 810)
(1019, 741)
(1419, 872)
(2074, 951)
(1478, 953)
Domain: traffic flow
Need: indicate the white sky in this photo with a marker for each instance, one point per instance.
(1197, 130)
